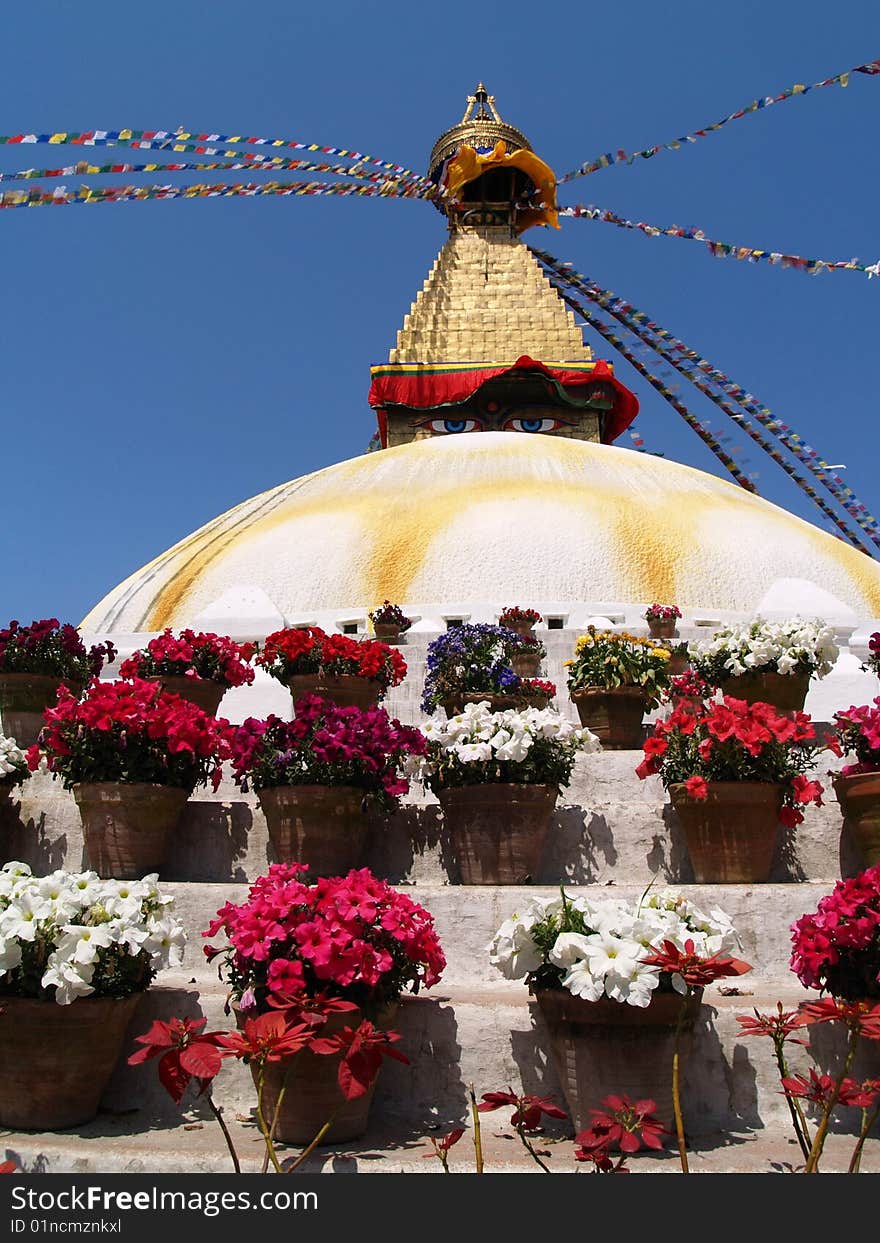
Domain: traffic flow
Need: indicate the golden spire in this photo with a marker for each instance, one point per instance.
(481, 127)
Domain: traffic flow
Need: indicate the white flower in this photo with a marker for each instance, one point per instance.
(10, 954)
(581, 981)
(69, 979)
(513, 951)
(165, 941)
(607, 952)
(23, 918)
(81, 944)
(632, 982)
(569, 948)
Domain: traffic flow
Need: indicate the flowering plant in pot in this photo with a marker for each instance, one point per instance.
(316, 775)
(522, 621)
(198, 666)
(857, 785)
(836, 948)
(613, 679)
(34, 660)
(343, 951)
(132, 754)
(389, 621)
(336, 666)
(470, 662)
(497, 776)
(770, 662)
(536, 692)
(527, 658)
(76, 953)
(610, 1006)
(661, 619)
(735, 771)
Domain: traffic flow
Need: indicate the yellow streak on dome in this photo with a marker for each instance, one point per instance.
(404, 504)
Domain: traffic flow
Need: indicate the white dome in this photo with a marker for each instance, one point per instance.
(494, 516)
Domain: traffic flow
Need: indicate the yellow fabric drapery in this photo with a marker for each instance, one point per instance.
(467, 164)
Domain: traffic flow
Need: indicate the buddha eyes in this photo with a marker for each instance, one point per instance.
(449, 427)
(533, 425)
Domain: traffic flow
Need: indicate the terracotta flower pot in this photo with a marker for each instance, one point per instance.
(322, 826)
(56, 1061)
(388, 632)
(859, 799)
(614, 716)
(661, 628)
(525, 664)
(498, 830)
(23, 698)
(346, 691)
(784, 691)
(525, 628)
(313, 1095)
(202, 692)
(606, 1047)
(732, 833)
(126, 825)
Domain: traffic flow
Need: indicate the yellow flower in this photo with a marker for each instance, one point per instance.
(662, 653)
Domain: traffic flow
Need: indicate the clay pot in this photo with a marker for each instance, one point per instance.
(322, 826)
(732, 833)
(606, 1047)
(525, 664)
(498, 830)
(313, 1095)
(614, 716)
(859, 799)
(346, 691)
(525, 628)
(23, 699)
(678, 662)
(387, 632)
(126, 825)
(786, 692)
(202, 692)
(56, 1061)
(661, 627)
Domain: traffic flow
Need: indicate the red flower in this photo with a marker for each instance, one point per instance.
(697, 788)
(819, 1089)
(624, 1123)
(362, 1050)
(185, 1052)
(861, 1015)
(777, 1026)
(528, 1109)
(8, 1167)
(443, 1145)
(268, 1038)
(696, 971)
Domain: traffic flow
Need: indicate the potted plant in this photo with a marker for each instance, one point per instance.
(470, 663)
(613, 680)
(76, 954)
(734, 771)
(857, 785)
(351, 672)
(389, 622)
(13, 767)
(316, 776)
(351, 943)
(766, 662)
(132, 754)
(526, 659)
(497, 776)
(661, 619)
(34, 661)
(837, 947)
(611, 1014)
(536, 692)
(520, 621)
(200, 667)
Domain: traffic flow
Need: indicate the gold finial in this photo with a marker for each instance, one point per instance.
(480, 127)
(487, 110)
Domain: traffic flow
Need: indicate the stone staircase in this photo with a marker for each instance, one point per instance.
(611, 833)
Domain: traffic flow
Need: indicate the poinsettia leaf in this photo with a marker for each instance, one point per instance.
(172, 1076)
(357, 1072)
(201, 1059)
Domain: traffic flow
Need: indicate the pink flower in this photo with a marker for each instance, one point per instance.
(697, 788)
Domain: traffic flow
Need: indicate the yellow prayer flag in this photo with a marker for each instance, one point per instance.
(798, 89)
(844, 79)
(125, 133)
(58, 138)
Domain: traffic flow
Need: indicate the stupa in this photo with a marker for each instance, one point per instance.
(499, 478)
(498, 482)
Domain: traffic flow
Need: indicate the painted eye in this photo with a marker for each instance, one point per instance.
(533, 425)
(450, 427)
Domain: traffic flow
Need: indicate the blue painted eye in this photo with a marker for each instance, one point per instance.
(533, 425)
(450, 427)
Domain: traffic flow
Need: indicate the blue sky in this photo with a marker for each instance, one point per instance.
(163, 361)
